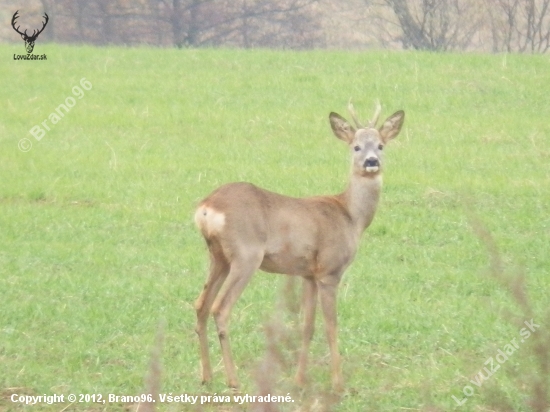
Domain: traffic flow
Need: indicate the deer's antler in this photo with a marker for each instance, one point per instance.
(13, 19)
(353, 114)
(35, 33)
(43, 25)
(377, 111)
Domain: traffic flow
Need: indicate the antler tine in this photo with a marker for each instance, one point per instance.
(15, 16)
(377, 111)
(351, 111)
(45, 22)
(13, 21)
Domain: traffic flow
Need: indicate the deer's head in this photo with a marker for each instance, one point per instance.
(29, 40)
(366, 142)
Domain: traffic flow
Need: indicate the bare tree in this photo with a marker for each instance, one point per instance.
(287, 24)
(187, 19)
(437, 25)
(244, 23)
(520, 25)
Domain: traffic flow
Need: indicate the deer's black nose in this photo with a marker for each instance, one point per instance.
(371, 162)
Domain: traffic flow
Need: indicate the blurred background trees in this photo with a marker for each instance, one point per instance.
(521, 26)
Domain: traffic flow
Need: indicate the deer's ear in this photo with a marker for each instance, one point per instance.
(341, 128)
(392, 126)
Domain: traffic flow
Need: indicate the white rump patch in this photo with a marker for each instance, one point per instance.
(209, 220)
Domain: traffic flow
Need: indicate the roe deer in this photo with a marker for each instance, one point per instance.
(247, 228)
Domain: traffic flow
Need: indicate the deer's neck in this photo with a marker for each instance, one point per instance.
(361, 199)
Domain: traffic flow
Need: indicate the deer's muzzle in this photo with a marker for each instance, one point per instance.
(372, 164)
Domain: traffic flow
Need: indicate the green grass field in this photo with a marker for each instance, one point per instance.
(98, 245)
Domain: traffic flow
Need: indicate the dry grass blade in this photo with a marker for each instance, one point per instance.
(153, 378)
(540, 341)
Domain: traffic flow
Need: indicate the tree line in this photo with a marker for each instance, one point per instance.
(521, 26)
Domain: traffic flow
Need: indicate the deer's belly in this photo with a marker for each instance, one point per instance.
(287, 264)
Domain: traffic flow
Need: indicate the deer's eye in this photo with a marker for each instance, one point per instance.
(356, 148)
(380, 147)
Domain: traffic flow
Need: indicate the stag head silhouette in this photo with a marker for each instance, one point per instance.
(29, 40)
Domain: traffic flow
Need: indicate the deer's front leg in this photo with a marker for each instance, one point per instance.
(327, 295)
(309, 303)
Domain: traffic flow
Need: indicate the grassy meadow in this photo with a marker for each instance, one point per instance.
(98, 245)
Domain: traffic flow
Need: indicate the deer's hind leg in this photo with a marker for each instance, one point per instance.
(328, 288)
(219, 268)
(242, 267)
